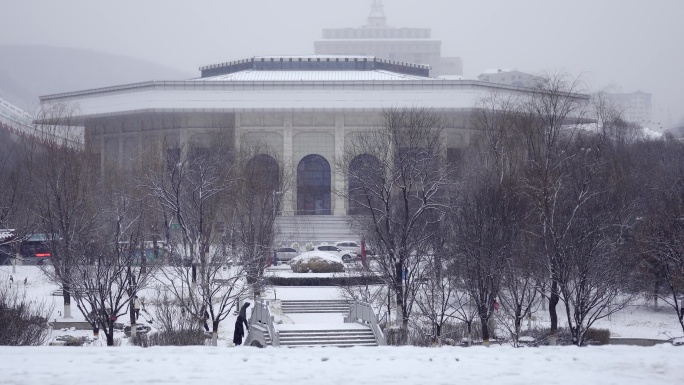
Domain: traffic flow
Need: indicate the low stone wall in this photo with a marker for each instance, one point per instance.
(636, 341)
(78, 325)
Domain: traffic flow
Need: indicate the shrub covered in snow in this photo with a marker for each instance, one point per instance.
(172, 338)
(317, 262)
(23, 322)
(598, 336)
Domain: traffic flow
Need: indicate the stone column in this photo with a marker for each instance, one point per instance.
(288, 202)
(183, 137)
(339, 186)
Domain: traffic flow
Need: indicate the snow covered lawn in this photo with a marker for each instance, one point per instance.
(621, 365)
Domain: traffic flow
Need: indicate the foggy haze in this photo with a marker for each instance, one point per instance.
(632, 43)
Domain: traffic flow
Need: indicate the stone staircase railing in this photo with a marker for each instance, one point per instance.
(262, 322)
(362, 312)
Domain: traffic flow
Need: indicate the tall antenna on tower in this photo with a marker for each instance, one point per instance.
(377, 16)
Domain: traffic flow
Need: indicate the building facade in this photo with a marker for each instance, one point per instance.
(305, 109)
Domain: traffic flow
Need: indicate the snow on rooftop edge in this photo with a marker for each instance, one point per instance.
(312, 75)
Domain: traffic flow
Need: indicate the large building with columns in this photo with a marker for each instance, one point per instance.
(303, 108)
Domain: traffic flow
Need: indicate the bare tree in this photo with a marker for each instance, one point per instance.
(465, 309)
(550, 122)
(396, 175)
(660, 234)
(63, 183)
(106, 279)
(594, 278)
(260, 183)
(16, 217)
(483, 223)
(193, 195)
(436, 294)
(520, 292)
(488, 208)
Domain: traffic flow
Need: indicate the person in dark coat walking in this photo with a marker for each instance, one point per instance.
(239, 331)
(206, 321)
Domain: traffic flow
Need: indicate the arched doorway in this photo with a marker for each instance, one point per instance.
(364, 177)
(263, 180)
(263, 173)
(313, 186)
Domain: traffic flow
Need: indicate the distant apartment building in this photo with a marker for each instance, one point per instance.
(509, 77)
(376, 38)
(635, 106)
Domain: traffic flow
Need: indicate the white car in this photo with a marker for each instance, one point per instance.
(355, 247)
(286, 253)
(350, 245)
(346, 255)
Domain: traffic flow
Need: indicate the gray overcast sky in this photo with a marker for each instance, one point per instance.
(634, 43)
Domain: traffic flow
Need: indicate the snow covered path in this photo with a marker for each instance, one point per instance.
(621, 365)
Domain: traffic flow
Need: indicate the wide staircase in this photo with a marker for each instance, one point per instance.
(315, 306)
(344, 336)
(358, 329)
(313, 228)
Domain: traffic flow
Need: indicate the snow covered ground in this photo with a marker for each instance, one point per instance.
(383, 365)
(624, 365)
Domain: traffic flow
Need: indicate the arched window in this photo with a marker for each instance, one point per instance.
(263, 183)
(263, 174)
(364, 179)
(313, 186)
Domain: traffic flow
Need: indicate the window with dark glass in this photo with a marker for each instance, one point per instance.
(313, 186)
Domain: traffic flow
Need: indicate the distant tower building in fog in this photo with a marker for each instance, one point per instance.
(509, 77)
(376, 38)
(635, 106)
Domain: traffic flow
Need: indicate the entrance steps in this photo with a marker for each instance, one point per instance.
(315, 306)
(313, 228)
(346, 335)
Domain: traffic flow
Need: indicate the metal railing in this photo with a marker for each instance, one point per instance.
(261, 316)
(363, 313)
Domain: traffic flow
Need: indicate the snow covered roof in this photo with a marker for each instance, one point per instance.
(254, 75)
(228, 96)
(6, 234)
(316, 63)
(490, 71)
(244, 95)
(318, 56)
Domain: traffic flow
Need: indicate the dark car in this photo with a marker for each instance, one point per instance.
(35, 250)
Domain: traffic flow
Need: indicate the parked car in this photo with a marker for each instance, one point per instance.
(355, 247)
(350, 245)
(346, 255)
(286, 253)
